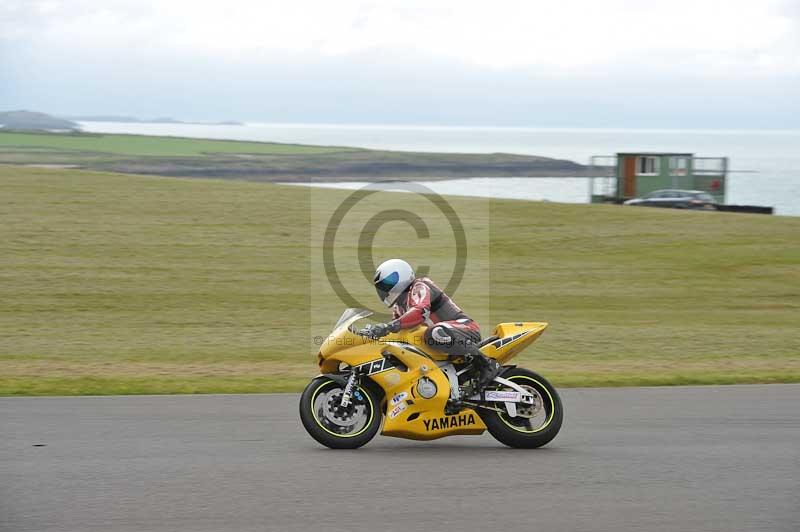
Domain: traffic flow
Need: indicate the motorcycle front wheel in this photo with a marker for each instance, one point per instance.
(334, 425)
(535, 425)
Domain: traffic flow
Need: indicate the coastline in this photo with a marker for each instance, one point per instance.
(251, 160)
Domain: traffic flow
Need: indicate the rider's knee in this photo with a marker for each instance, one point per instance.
(438, 335)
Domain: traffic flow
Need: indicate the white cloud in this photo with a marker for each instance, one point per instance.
(743, 37)
(681, 63)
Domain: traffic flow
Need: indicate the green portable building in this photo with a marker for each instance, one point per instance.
(636, 174)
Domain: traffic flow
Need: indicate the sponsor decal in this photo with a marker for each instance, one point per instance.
(502, 396)
(397, 410)
(376, 366)
(449, 422)
(399, 398)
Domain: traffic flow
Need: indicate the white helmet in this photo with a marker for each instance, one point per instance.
(392, 278)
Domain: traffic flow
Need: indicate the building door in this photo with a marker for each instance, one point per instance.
(629, 177)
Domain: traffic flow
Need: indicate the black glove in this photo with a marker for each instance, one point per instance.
(379, 330)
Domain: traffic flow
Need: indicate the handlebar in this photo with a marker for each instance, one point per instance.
(367, 332)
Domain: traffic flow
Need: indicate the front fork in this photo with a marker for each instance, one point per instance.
(347, 394)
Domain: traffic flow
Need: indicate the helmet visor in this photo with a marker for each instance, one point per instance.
(386, 284)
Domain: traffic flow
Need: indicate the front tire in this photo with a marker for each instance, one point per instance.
(527, 433)
(335, 426)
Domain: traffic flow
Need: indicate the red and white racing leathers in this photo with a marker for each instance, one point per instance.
(449, 329)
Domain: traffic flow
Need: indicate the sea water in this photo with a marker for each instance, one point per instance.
(765, 164)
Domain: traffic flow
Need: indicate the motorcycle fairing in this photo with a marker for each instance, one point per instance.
(413, 416)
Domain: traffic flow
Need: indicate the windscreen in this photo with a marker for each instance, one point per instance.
(352, 314)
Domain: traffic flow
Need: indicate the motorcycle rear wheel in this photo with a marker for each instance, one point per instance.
(335, 426)
(522, 432)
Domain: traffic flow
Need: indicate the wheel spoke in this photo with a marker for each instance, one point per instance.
(338, 419)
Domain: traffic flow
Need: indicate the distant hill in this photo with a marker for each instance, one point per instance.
(264, 161)
(103, 118)
(157, 120)
(29, 120)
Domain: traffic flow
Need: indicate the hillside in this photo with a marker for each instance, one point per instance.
(262, 161)
(127, 284)
(28, 120)
(156, 120)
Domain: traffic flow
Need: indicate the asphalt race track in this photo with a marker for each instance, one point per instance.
(679, 459)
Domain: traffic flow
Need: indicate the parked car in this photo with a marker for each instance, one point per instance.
(676, 199)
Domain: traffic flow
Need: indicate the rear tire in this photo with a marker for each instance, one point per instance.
(513, 431)
(336, 427)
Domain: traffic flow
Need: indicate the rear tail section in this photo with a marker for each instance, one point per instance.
(509, 339)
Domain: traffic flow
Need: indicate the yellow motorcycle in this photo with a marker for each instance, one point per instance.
(422, 394)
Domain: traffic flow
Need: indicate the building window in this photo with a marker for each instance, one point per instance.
(647, 166)
(709, 165)
(678, 166)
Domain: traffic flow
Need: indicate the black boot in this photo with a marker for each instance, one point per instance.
(488, 368)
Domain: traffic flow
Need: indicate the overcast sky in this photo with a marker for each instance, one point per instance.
(587, 63)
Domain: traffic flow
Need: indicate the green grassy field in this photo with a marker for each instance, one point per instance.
(115, 283)
(154, 146)
(259, 161)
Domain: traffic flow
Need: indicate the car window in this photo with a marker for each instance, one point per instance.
(705, 197)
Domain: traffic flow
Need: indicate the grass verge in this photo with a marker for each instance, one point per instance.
(114, 283)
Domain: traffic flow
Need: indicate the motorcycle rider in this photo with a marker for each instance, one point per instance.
(418, 300)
